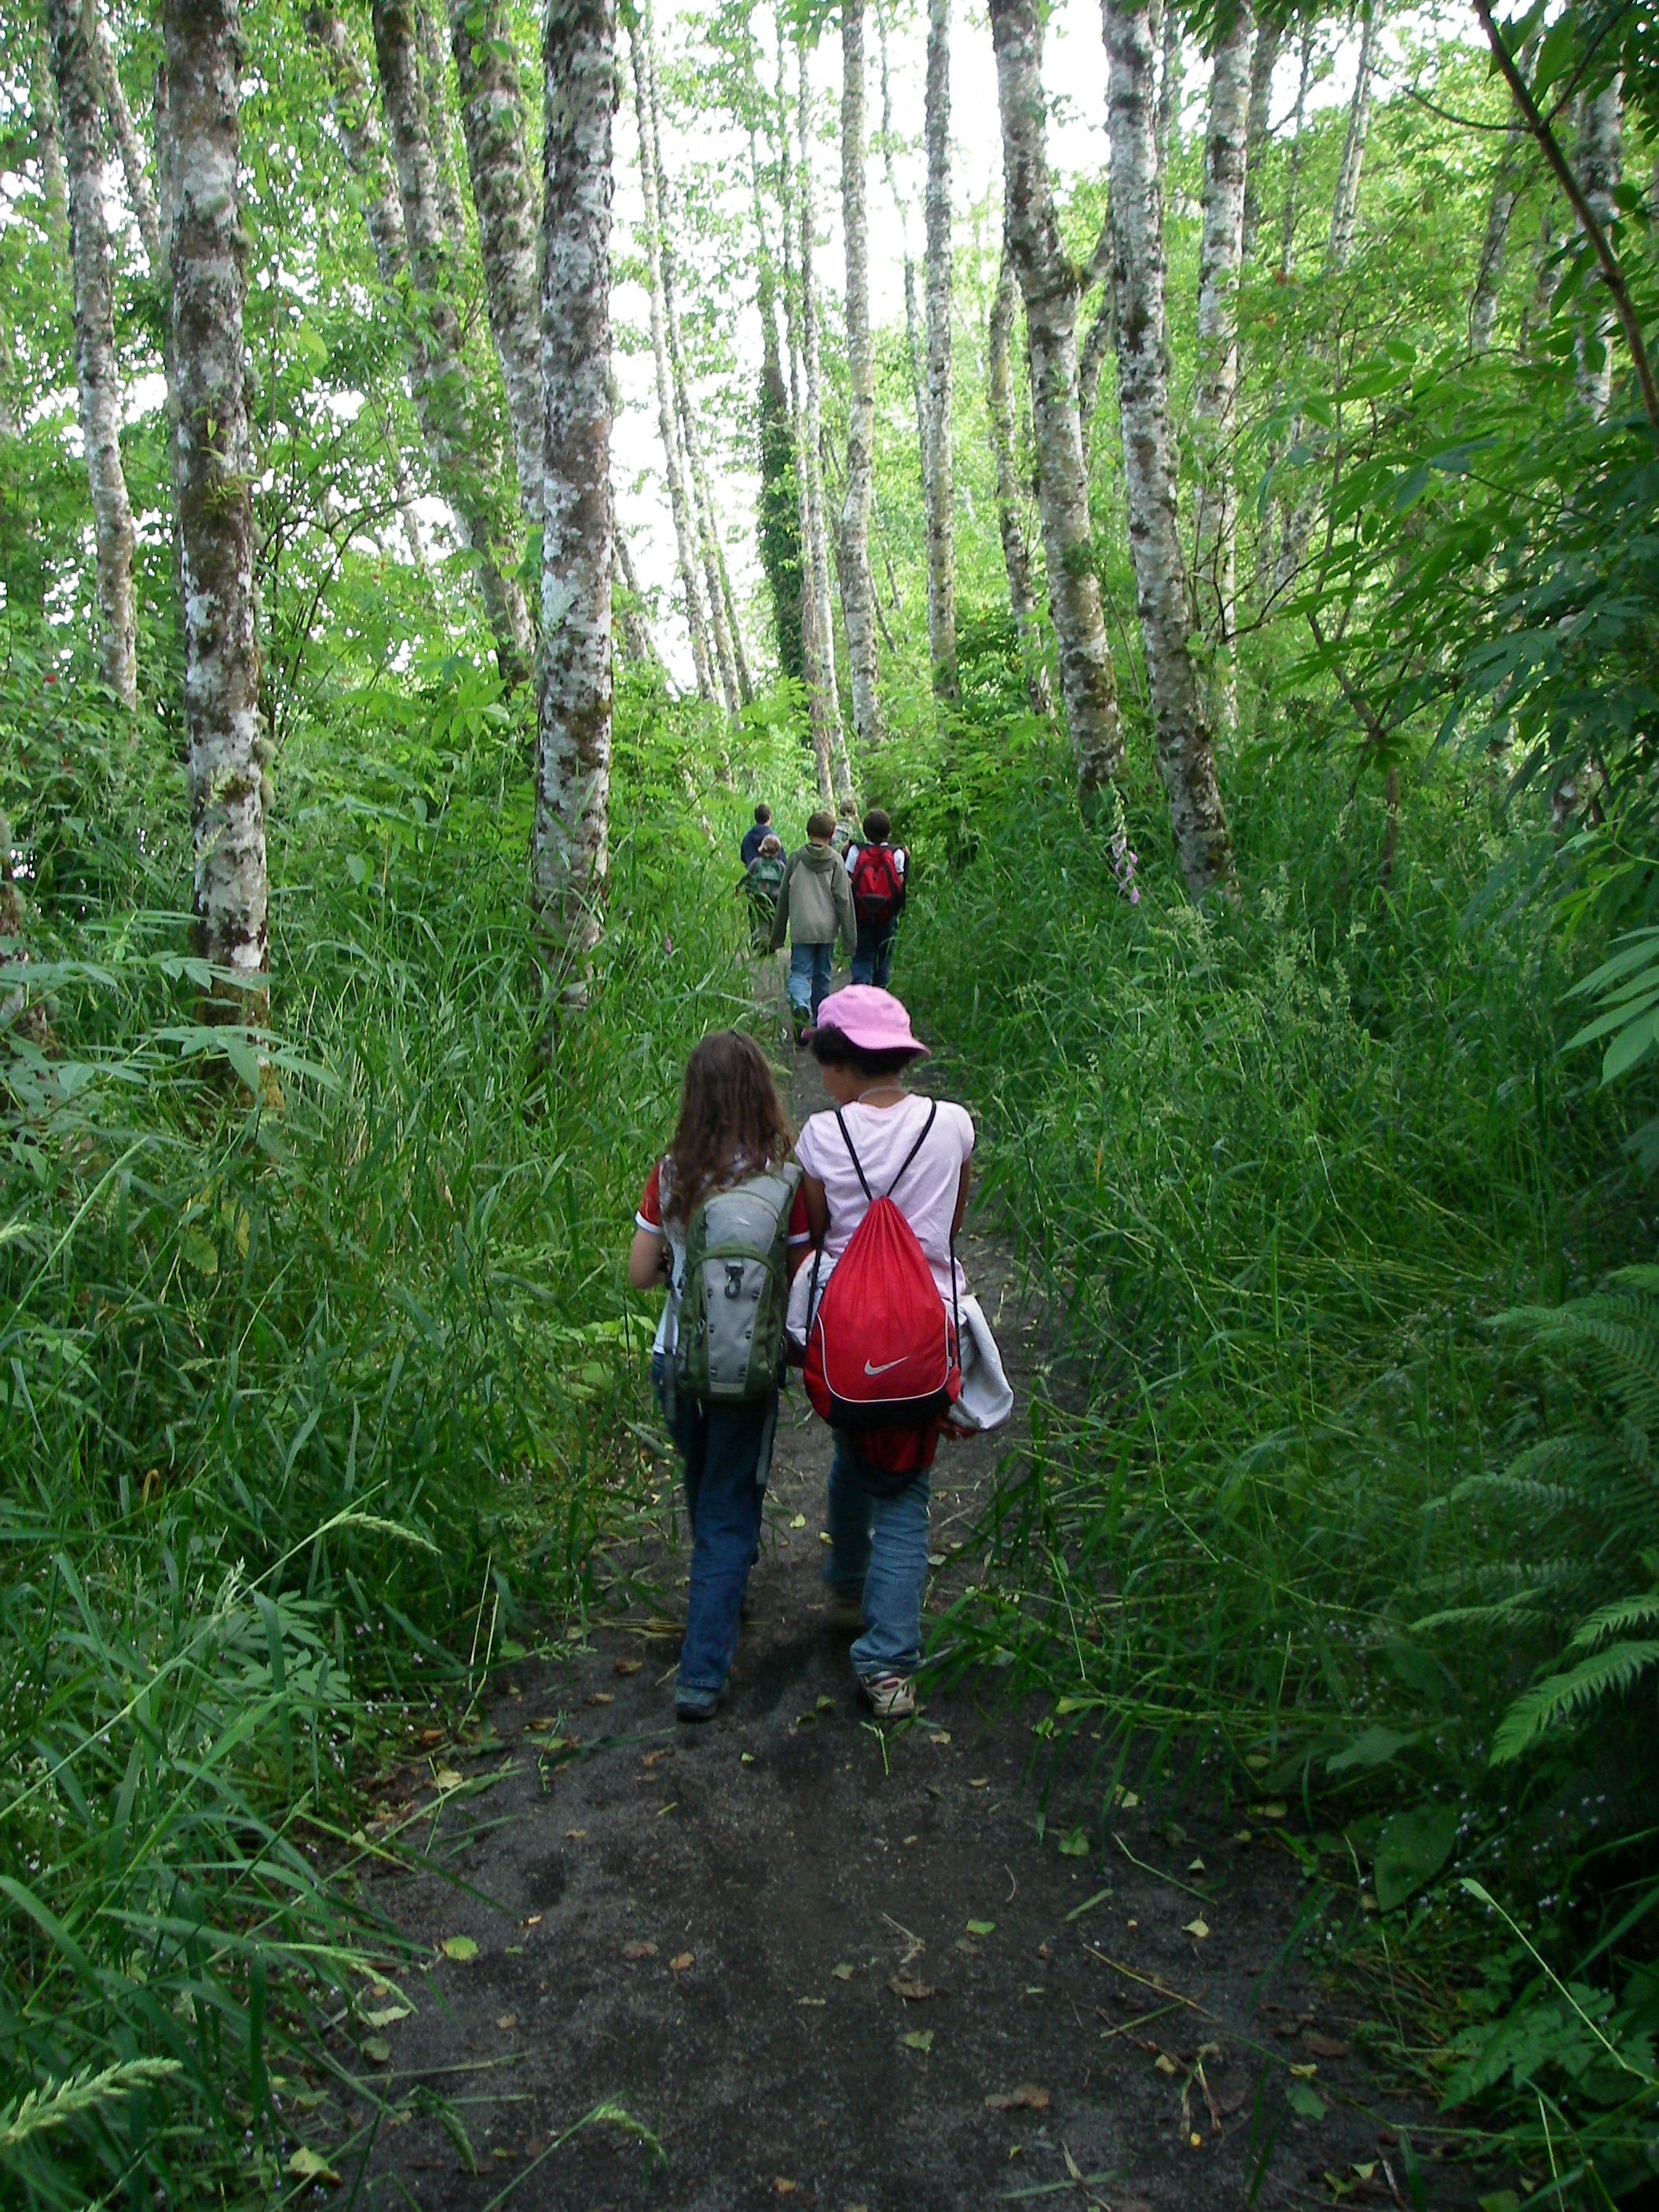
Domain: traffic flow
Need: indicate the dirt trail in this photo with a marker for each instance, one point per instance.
(806, 1957)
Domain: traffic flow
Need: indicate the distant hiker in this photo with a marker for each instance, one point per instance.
(894, 1305)
(815, 907)
(757, 833)
(761, 881)
(845, 834)
(725, 1188)
(879, 875)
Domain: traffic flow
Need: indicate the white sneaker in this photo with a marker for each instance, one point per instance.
(893, 1696)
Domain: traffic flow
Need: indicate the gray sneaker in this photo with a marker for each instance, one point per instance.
(893, 1696)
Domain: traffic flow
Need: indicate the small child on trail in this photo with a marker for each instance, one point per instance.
(758, 832)
(881, 1141)
(724, 1187)
(815, 907)
(880, 874)
(845, 834)
(761, 881)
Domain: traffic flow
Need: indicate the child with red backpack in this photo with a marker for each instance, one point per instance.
(886, 1185)
(880, 875)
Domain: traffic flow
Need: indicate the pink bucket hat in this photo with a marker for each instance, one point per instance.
(874, 1020)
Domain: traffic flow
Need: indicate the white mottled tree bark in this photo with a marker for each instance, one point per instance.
(569, 854)
(1088, 685)
(674, 475)
(465, 458)
(435, 83)
(1185, 757)
(1293, 166)
(632, 620)
(1506, 185)
(1258, 127)
(1016, 557)
(129, 145)
(1597, 159)
(77, 73)
(1215, 395)
(49, 147)
(813, 377)
(1169, 87)
(228, 748)
(1344, 207)
(492, 126)
(912, 320)
(938, 455)
(858, 591)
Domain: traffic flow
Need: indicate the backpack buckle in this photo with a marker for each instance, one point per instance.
(734, 1278)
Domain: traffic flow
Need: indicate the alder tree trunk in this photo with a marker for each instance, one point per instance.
(1091, 355)
(638, 643)
(776, 532)
(1169, 88)
(1016, 557)
(434, 83)
(1088, 686)
(76, 72)
(228, 749)
(465, 458)
(569, 851)
(812, 375)
(1185, 757)
(937, 455)
(49, 148)
(1258, 129)
(704, 523)
(1293, 166)
(1506, 186)
(1597, 160)
(1215, 397)
(1346, 206)
(858, 591)
(679, 506)
(128, 143)
(912, 320)
(493, 125)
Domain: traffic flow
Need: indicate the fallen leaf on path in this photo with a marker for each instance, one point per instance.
(938, 1736)
(657, 1626)
(1307, 2102)
(908, 1987)
(1304, 2073)
(1199, 1926)
(745, 1758)
(384, 2015)
(535, 1918)
(923, 2042)
(1243, 1836)
(1173, 1834)
(843, 1972)
(1074, 1844)
(1195, 1866)
(979, 1782)
(654, 1758)
(626, 1666)
(936, 1558)
(506, 2020)
(1256, 1760)
(1323, 2046)
(310, 2166)
(785, 2187)
(1028, 2097)
(639, 1950)
(824, 1537)
(1164, 2064)
(908, 1840)
(542, 1722)
(377, 2048)
(459, 1947)
(817, 2003)
(1127, 1799)
(1274, 1811)
(448, 1778)
(601, 1698)
(683, 1964)
(800, 1520)
(967, 1943)
(981, 1927)
(826, 1703)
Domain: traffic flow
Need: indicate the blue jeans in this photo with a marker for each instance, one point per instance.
(878, 1557)
(727, 1450)
(872, 962)
(809, 967)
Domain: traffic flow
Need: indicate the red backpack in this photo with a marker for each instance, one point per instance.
(881, 1351)
(877, 887)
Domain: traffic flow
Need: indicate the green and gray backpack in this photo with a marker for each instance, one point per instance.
(730, 1346)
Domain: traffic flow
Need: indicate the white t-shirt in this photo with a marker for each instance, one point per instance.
(881, 1136)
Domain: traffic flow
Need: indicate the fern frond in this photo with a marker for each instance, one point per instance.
(1614, 1619)
(1555, 1699)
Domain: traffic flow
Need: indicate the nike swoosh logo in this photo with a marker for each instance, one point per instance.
(883, 1369)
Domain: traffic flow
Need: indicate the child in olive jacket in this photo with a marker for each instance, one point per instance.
(815, 907)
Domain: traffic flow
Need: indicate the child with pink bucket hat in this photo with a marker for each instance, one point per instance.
(880, 1139)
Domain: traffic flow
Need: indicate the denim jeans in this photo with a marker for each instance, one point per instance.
(727, 1451)
(873, 962)
(809, 967)
(878, 1557)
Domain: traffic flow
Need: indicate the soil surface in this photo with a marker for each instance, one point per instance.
(814, 1961)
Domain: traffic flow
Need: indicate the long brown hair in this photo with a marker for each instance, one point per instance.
(732, 1121)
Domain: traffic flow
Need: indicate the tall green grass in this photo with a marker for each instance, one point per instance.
(312, 1402)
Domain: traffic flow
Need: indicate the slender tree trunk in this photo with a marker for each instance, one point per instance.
(938, 455)
(1000, 393)
(1184, 753)
(912, 320)
(435, 83)
(1258, 129)
(49, 148)
(705, 525)
(1287, 224)
(1506, 186)
(464, 459)
(1597, 160)
(128, 144)
(1091, 355)
(76, 70)
(1215, 398)
(1346, 206)
(1546, 281)
(638, 643)
(570, 853)
(679, 506)
(814, 437)
(858, 591)
(776, 531)
(228, 748)
(1088, 686)
(1169, 89)
(493, 125)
